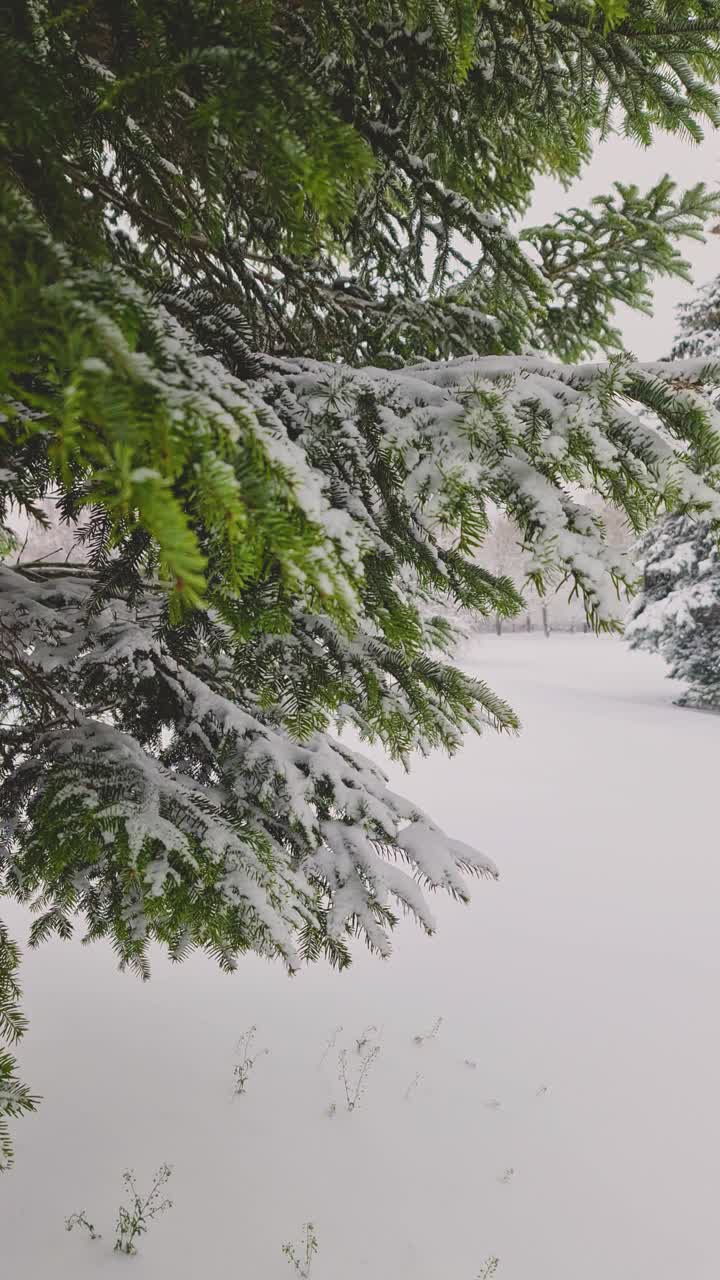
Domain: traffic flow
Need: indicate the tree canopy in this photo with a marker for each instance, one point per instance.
(271, 346)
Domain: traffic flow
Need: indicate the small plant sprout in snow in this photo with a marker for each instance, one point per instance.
(364, 1038)
(330, 1045)
(540, 1093)
(133, 1218)
(354, 1086)
(246, 1061)
(471, 1063)
(80, 1220)
(488, 1269)
(301, 1256)
(413, 1086)
(506, 1176)
(492, 1104)
(428, 1035)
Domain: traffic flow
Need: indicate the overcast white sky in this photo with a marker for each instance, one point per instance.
(625, 161)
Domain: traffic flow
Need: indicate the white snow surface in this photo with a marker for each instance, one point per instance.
(580, 993)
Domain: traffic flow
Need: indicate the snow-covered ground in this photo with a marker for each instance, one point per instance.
(581, 994)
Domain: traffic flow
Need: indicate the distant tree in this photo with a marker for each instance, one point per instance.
(677, 612)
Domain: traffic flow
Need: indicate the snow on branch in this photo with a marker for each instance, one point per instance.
(528, 435)
(284, 836)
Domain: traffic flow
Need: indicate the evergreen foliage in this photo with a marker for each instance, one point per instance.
(268, 343)
(700, 323)
(677, 613)
(15, 1097)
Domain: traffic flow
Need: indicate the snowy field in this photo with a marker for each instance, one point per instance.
(565, 1117)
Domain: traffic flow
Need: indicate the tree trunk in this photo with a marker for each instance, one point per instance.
(546, 620)
(498, 624)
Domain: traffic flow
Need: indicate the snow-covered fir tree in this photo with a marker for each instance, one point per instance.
(275, 435)
(677, 613)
